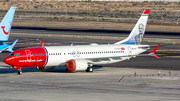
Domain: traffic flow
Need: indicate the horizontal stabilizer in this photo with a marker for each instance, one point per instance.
(153, 51)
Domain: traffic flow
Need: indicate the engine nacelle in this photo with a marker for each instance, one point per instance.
(77, 65)
(45, 68)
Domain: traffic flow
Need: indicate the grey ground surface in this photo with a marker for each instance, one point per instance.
(102, 84)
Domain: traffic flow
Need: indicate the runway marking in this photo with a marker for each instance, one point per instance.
(38, 43)
(161, 76)
(169, 88)
(121, 79)
(173, 56)
(169, 50)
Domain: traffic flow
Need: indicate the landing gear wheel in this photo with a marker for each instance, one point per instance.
(19, 72)
(89, 69)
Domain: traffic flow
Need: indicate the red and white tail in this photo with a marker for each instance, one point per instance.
(136, 35)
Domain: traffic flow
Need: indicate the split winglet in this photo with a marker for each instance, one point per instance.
(153, 51)
(12, 46)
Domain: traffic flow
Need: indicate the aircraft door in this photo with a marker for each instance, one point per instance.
(129, 51)
(28, 54)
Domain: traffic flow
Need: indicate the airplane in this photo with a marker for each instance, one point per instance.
(5, 29)
(82, 57)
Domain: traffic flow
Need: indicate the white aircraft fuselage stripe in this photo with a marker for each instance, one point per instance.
(59, 55)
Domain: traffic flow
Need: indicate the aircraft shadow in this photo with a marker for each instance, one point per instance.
(8, 69)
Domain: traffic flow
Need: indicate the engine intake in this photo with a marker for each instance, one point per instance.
(77, 65)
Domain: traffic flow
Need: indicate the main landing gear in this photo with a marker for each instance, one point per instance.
(89, 69)
(19, 72)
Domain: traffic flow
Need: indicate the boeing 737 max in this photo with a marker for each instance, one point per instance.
(82, 57)
(5, 28)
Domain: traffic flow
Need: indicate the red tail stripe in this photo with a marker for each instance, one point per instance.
(147, 11)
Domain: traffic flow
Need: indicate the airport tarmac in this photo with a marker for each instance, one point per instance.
(102, 85)
(114, 82)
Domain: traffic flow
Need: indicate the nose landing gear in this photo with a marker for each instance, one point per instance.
(19, 70)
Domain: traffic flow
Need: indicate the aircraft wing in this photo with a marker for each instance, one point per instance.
(91, 60)
(7, 45)
(3, 48)
(12, 46)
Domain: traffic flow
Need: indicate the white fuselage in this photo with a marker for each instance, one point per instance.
(93, 54)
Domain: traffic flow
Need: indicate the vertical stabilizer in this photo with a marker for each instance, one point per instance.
(137, 33)
(6, 23)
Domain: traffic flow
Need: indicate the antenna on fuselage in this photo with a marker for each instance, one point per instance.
(42, 44)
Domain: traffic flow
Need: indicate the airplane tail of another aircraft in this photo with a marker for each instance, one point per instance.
(6, 23)
(137, 33)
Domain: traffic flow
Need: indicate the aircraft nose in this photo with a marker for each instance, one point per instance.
(8, 60)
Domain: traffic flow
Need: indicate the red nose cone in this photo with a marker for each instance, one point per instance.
(8, 60)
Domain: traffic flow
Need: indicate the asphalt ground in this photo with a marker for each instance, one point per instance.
(109, 82)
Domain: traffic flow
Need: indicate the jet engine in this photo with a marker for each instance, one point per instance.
(77, 65)
(45, 68)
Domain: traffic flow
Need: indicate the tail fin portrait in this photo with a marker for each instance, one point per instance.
(6, 23)
(137, 33)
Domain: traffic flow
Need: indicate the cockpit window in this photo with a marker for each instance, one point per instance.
(15, 54)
